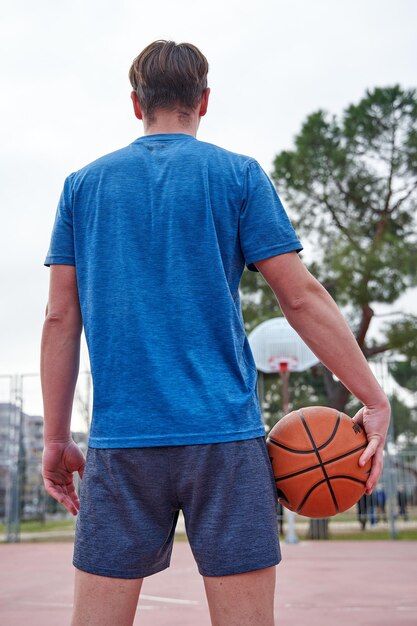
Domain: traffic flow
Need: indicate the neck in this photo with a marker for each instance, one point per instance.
(172, 122)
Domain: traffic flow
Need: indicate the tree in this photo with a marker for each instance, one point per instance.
(351, 186)
(405, 373)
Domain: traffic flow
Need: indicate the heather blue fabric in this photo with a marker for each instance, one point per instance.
(159, 233)
(130, 499)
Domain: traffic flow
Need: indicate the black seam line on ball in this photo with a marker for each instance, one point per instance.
(281, 494)
(319, 457)
(281, 445)
(309, 492)
(313, 467)
(323, 445)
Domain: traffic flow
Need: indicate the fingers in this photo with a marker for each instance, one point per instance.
(58, 466)
(72, 494)
(369, 451)
(375, 421)
(65, 495)
(376, 471)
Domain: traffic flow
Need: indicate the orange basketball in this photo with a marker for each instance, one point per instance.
(315, 459)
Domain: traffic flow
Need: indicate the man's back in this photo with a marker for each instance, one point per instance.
(159, 232)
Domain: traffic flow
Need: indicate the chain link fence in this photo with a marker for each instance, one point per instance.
(390, 510)
(22, 494)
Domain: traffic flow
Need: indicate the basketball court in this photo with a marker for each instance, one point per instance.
(319, 583)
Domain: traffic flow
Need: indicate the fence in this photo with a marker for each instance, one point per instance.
(392, 507)
(22, 494)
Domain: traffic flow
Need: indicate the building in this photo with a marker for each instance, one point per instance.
(9, 446)
(21, 446)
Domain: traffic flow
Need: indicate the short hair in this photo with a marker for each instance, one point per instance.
(166, 74)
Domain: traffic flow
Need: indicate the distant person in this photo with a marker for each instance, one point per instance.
(371, 508)
(362, 508)
(380, 503)
(366, 510)
(147, 252)
(402, 503)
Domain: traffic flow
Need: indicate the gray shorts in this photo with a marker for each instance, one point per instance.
(130, 499)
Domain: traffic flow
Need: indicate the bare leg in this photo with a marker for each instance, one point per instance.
(242, 599)
(103, 601)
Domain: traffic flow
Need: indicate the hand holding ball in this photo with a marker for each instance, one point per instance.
(315, 455)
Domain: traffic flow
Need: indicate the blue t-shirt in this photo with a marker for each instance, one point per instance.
(159, 233)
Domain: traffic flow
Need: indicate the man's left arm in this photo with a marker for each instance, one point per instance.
(60, 355)
(313, 313)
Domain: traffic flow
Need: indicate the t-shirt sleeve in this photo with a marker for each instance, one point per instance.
(61, 249)
(264, 229)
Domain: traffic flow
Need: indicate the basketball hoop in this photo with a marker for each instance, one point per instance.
(283, 367)
(283, 364)
(275, 342)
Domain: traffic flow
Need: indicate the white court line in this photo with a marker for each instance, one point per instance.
(56, 605)
(62, 605)
(168, 600)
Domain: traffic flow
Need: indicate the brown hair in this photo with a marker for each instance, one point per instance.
(165, 74)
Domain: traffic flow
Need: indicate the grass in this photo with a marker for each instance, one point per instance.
(407, 535)
(36, 526)
(375, 535)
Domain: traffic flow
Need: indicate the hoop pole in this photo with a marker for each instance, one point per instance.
(284, 373)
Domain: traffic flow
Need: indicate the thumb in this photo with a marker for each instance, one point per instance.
(358, 417)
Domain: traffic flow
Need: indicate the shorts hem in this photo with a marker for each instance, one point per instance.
(112, 573)
(172, 441)
(229, 571)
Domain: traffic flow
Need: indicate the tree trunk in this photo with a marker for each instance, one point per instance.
(337, 393)
(366, 318)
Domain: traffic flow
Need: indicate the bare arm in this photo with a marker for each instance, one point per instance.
(312, 312)
(60, 352)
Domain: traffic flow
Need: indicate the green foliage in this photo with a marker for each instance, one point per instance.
(405, 373)
(257, 299)
(402, 336)
(350, 186)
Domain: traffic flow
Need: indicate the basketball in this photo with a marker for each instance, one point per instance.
(315, 455)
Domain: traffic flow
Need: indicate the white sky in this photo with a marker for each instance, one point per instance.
(65, 101)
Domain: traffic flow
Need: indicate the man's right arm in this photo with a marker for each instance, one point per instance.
(312, 312)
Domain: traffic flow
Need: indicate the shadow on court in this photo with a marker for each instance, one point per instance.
(319, 583)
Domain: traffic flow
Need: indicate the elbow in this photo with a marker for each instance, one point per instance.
(295, 303)
(303, 299)
(67, 322)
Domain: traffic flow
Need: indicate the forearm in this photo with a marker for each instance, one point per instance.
(317, 319)
(60, 356)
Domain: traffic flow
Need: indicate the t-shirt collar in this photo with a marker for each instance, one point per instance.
(165, 137)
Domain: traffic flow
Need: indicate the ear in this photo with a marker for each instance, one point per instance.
(204, 102)
(136, 105)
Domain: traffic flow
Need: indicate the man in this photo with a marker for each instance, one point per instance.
(147, 253)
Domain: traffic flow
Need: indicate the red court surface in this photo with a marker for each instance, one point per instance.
(319, 584)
